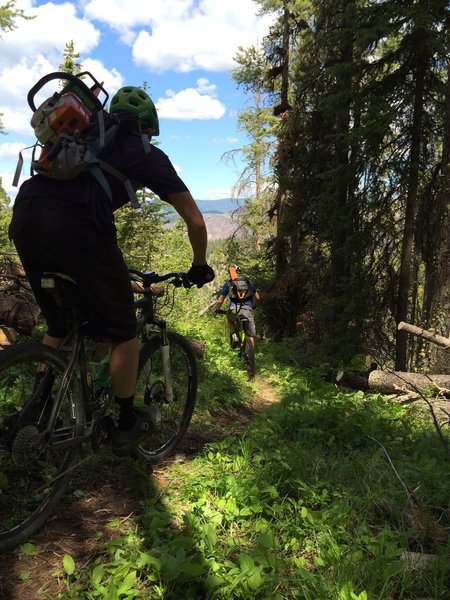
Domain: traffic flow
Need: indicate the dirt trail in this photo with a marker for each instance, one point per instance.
(82, 522)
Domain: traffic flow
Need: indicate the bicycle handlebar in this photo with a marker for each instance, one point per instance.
(147, 278)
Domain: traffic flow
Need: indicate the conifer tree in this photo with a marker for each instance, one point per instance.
(69, 63)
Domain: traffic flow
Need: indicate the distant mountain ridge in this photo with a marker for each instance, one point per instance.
(222, 206)
(221, 222)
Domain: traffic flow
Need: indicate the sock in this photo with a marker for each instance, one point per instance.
(127, 416)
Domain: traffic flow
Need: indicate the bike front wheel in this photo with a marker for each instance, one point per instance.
(37, 444)
(173, 393)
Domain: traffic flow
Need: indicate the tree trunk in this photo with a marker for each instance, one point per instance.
(342, 218)
(404, 287)
(437, 259)
(387, 382)
(434, 338)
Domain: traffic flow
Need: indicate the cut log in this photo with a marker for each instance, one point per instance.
(8, 336)
(22, 315)
(391, 382)
(356, 380)
(434, 338)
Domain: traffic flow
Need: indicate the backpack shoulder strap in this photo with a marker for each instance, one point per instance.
(120, 176)
(106, 136)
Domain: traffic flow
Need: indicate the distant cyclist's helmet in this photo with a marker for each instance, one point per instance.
(135, 101)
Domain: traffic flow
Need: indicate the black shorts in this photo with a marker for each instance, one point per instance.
(245, 311)
(56, 235)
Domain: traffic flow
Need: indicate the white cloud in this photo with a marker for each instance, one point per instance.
(126, 16)
(190, 104)
(181, 35)
(203, 35)
(216, 193)
(16, 113)
(10, 151)
(53, 26)
(160, 35)
(227, 140)
(111, 78)
(6, 180)
(35, 48)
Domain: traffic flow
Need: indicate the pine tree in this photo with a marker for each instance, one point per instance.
(69, 63)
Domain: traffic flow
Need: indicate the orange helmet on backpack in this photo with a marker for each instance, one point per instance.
(233, 271)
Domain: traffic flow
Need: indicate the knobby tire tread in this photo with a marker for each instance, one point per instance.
(20, 354)
(147, 350)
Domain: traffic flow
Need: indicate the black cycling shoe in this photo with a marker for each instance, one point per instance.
(124, 442)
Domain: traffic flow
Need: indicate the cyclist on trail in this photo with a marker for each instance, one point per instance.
(243, 296)
(68, 226)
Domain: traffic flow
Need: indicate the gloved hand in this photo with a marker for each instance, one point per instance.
(201, 274)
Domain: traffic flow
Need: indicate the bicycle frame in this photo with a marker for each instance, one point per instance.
(244, 347)
(56, 400)
(73, 343)
(239, 325)
(77, 359)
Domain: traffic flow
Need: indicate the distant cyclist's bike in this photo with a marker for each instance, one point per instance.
(240, 341)
(45, 419)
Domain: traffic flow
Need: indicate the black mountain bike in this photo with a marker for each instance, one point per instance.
(240, 341)
(45, 420)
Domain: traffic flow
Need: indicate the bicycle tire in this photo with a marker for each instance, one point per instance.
(249, 357)
(34, 465)
(150, 390)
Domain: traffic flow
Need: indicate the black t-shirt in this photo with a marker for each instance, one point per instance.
(128, 155)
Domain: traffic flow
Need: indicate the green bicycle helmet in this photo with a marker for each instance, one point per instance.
(135, 101)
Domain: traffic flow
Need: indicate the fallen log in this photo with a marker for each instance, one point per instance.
(19, 312)
(434, 338)
(393, 382)
(8, 336)
(22, 315)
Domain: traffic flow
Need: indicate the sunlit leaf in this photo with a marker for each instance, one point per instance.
(69, 564)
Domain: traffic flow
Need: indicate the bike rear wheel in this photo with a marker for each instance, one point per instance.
(249, 357)
(176, 412)
(36, 450)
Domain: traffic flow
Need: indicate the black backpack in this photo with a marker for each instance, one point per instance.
(240, 288)
(72, 127)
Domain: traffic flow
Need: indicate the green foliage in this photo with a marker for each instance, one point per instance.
(69, 63)
(359, 90)
(8, 15)
(5, 218)
(304, 504)
(68, 564)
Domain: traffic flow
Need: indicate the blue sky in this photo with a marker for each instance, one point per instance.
(183, 50)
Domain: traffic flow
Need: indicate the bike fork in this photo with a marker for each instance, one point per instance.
(165, 355)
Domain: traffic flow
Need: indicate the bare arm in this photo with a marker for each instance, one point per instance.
(185, 205)
(219, 302)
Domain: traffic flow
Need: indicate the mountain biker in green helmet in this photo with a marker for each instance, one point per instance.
(68, 226)
(135, 102)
